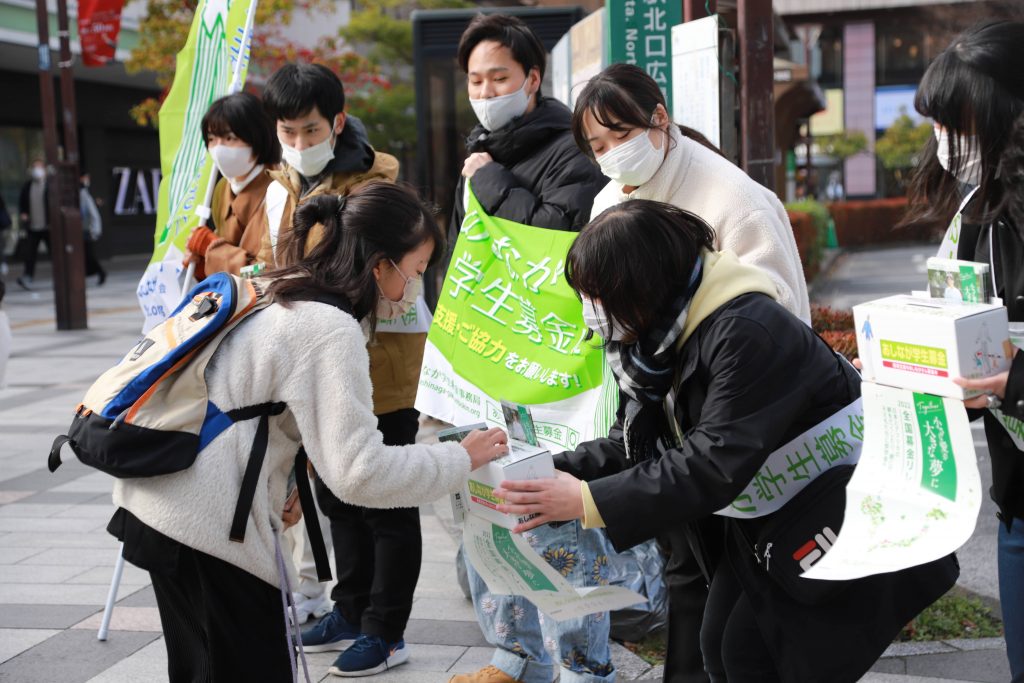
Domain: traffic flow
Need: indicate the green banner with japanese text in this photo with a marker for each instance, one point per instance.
(508, 327)
(212, 63)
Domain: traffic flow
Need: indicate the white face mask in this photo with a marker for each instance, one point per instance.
(496, 112)
(232, 162)
(312, 160)
(38, 172)
(388, 309)
(597, 320)
(970, 170)
(634, 162)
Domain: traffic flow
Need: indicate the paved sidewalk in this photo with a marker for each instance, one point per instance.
(56, 558)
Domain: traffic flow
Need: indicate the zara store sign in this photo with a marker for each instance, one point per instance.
(135, 190)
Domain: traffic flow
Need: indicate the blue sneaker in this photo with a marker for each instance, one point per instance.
(332, 634)
(369, 655)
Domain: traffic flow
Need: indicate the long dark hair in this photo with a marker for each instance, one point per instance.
(1011, 174)
(636, 258)
(242, 114)
(621, 98)
(974, 87)
(336, 241)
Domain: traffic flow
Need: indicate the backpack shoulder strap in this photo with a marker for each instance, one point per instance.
(316, 536)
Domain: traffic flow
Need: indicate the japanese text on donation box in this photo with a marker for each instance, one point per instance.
(507, 326)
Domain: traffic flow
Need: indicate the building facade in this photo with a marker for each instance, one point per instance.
(868, 57)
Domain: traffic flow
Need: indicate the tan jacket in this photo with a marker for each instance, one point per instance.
(385, 168)
(395, 359)
(239, 222)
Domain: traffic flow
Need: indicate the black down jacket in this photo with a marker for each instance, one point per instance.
(538, 177)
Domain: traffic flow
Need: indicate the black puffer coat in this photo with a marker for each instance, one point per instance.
(538, 177)
(751, 378)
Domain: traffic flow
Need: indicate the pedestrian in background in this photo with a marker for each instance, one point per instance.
(33, 210)
(6, 340)
(92, 230)
(523, 166)
(972, 172)
(6, 223)
(240, 137)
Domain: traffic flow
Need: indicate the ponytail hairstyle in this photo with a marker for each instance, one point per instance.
(975, 87)
(621, 98)
(336, 241)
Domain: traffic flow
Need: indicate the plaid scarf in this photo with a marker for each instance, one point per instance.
(645, 370)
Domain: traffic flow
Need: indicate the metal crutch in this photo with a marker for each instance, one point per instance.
(115, 584)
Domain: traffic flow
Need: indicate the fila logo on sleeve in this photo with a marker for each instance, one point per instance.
(812, 551)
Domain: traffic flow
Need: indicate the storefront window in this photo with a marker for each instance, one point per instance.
(899, 54)
(830, 47)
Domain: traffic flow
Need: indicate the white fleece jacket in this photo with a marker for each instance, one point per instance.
(748, 219)
(312, 357)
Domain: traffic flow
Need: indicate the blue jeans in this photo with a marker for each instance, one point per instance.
(1011, 594)
(525, 639)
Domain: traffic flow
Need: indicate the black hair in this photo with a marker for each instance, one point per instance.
(242, 114)
(296, 89)
(1011, 174)
(621, 98)
(505, 30)
(636, 258)
(353, 234)
(974, 87)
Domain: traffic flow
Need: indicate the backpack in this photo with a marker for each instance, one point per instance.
(151, 413)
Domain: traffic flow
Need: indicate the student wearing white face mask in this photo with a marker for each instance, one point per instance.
(240, 138)
(972, 179)
(621, 120)
(522, 163)
(523, 166)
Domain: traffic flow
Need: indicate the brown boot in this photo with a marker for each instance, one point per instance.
(488, 674)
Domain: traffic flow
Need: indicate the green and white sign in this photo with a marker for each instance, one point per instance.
(916, 492)
(640, 33)
(507, 326)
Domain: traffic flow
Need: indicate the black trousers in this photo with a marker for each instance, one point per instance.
(220, 622)
(92, 264)
(377, 552)
(734, 649)
(34, 238)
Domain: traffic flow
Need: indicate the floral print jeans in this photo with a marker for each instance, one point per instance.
(529, 644)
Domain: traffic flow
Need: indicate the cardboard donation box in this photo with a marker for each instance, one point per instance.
(921, 344)
(523, 461)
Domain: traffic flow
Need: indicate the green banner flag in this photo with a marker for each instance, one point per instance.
(215, 58)
(508, 326)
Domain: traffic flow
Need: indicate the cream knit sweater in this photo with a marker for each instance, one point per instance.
(748, 219)
(313, 358)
